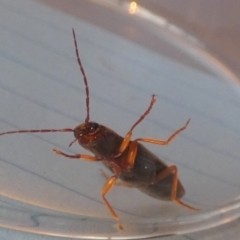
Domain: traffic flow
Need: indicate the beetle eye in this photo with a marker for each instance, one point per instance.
(93, 127)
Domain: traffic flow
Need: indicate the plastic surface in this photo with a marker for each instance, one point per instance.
(41, 87)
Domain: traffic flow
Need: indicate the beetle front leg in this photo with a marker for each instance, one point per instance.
(172, 170)
(82, 156)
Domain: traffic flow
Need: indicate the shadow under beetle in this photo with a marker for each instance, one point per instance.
(127, 159)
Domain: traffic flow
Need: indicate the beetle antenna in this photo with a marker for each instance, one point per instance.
(38, 131)
(84, 76)
(72, 142)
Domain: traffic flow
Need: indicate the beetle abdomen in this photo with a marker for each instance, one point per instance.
(146, 167)
(163, 189)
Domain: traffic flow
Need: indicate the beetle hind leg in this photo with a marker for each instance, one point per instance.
(172, 170)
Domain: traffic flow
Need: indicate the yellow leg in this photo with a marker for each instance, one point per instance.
(164, 142)
(118, 183)
(82, 156)
(106, 188)
(127, 138)
(174, 171)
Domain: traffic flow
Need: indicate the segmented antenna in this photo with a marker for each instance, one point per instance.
(84, 77)
(38, 131)
(87, 103)
(72, 142)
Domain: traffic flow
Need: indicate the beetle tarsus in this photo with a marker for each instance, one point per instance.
(78, 156)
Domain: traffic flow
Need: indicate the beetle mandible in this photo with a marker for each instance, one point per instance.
(127, 159)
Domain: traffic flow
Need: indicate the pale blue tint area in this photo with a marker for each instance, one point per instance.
(41, 87)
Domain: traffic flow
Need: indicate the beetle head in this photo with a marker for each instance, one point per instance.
(86, 130)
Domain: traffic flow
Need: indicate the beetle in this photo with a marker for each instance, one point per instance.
(127, 159)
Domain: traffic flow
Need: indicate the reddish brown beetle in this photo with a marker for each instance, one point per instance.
(127, 159)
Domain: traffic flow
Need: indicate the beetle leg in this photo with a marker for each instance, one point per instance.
(106, 188)
(104, 174)
(127, 138)
(124, 184)
(132, 153)
(164, 142)
(118, 183)
(131, 156)
(83, 156)
(174, 171)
